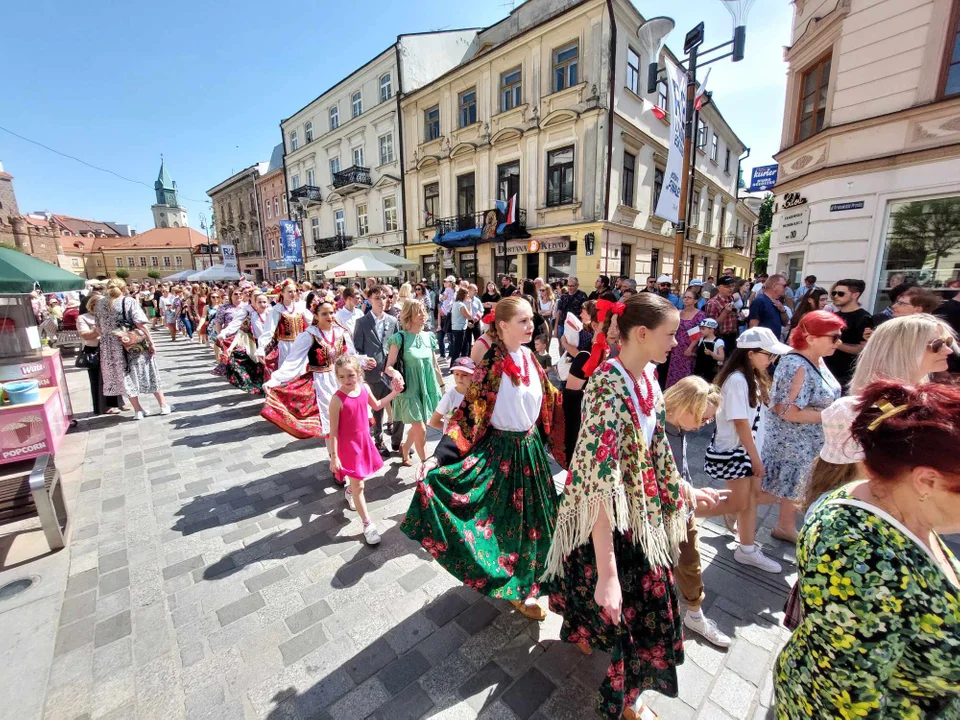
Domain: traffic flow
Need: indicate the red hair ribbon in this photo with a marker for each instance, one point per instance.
(510, 368)
(488, 318)
(598, 351)
(605, 306)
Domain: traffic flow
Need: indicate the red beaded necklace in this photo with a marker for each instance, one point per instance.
(524, 375)
(646, 403)
(333, 336)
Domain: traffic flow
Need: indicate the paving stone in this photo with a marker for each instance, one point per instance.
(89, 485)
(477, 617)
(74, 635)
(749, 661)
(191, 653)
(267, 578)
(114, 503)
(78, 606)
(310, 615)
(236, 610)
(409, 632)
(692, 683)
(82, 582)
(75, 666)
(445, 608)
(113, 658)
(86, 532)
(112, 629)
(412, 703)
(303, 644)
(360, 702)
(113, 692)
(233, 633)
(415, 578)
(519, 654)
(113, 561)
(325, 691)
(182, 567)
(444, 641)
(733, 694)
(239, 534)
(485, 686)
(370, 660)
(404, 670)
(443, 679)
(111, 582)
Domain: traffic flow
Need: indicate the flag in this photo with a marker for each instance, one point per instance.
(700, 99)
(657, 111)
(501, 206)
(694, 334)
(296, 231)
(511, 211)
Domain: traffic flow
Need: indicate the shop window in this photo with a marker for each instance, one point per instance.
(813, 99)
(561, 265)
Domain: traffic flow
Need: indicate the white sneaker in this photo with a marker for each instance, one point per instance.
(708, 629)
(757, 559)
(165, 409)
(349, 497)
(371, 535)
(139, 415)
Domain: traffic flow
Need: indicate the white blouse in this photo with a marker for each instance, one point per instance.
(273, 317)
(257, 322)
(518, 406)
(296, 360)
(87, 323)
(648, 423)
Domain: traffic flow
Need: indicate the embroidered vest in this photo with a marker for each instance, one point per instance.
(289, 326)
(321, 356)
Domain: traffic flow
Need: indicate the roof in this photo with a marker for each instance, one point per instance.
(276, 159)
(36, 220)
(75, 226)
(164, 177)
(5, 176)
(256, 170)
(158, 238)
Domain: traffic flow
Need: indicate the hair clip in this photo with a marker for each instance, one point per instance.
(888, 412)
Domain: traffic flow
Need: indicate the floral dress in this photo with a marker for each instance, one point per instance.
(788, 447)
(131, 374)
(880, 636)
(681, 364)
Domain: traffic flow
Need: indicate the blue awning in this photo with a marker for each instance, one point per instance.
(464, 238)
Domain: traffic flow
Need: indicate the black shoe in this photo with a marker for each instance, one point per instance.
(382, 449)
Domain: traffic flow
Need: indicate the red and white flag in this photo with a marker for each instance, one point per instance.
(511, 210)
(694, 334)
(700, 99)
(658, 112)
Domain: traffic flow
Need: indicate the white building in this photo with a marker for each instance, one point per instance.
(869, 183)
(342, 153)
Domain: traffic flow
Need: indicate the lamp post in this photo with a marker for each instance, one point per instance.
(653, 32)
(203, 226)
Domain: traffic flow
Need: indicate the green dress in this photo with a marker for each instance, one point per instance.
(880, 636)
(421, 391)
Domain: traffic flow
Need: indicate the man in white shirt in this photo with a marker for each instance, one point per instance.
(348, 315)
(476, 310)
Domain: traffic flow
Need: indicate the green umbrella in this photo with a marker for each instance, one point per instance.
(19, 273)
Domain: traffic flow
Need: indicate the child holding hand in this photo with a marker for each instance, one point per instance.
(353, 456)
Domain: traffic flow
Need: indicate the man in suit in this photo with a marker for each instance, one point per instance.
(370, 337)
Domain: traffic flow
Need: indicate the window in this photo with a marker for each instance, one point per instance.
(386, 87)
(119, 262)
(431, 124)
(726, 161)
(508, 180)
(714, 147)
(294, 144)
(143, 261)
(131, 261)
(357, 102)
(386, 148)
(310, 177)
(431, 203)
(358, 156)
(633, 71)
(657, 187)
(565, 67)
(390, 223)
(695, 210)
(154, 261)
(663, 99)
(295, 182)
(276, 207)
(362, 226)
(315, 228)
(468, 107)
(166, 261)
(334, 117)
(178, 261)
(560, 176)
(466, 194)
(334, 166)
(510, 89)
(702, 136)
(339, 223)
(75, 262)
(308, 131)
(99, 263)
(723, 219)
(813, 99)
(708, 220)
(628, 178)
(267, 210)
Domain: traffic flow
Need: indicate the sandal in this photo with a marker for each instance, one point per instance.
(645, 713)
(405, 458)
(533, 612)
(112, 411)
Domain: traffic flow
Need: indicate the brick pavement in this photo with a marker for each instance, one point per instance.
(215, 573)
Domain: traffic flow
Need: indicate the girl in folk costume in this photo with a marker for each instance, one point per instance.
(487, 513)
(622, 519)
(284, 323)
(243, 370)
(298, 402)
(224, 318)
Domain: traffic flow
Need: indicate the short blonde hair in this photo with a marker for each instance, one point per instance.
(895, 350)
(409, 310)
(115, 287)
(406, 290)
(92, 302)
(691, 394)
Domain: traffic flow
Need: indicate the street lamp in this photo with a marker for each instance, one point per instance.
(203, 226)
(652, 33)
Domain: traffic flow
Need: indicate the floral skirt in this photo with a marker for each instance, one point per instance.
(245, 373)
(489, 518)
(647, 645)
(220, 347)
(293, 408)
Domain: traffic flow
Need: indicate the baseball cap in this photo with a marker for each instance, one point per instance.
(725, 280)
(761, 338)
(463, 364)
(450, 278)
(664, 279)
(710, 323)
(696, 283)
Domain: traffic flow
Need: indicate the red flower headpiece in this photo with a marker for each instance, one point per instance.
(607, 306)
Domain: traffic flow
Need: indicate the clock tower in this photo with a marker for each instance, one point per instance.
(168, 211)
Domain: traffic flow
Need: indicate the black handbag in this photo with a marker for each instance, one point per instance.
(398, 365)
(88, 359)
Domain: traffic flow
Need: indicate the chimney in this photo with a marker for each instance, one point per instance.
(132, 233)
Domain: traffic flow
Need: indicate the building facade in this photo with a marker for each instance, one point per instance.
(237, 214)
(167, 212)
(271, 189)
(342, 151)
(8, 198)
(154, 254)
(869, 183)
(549, 110)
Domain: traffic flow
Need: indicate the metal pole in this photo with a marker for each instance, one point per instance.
(687, 162)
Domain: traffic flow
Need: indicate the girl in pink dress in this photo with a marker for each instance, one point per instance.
(353, 456)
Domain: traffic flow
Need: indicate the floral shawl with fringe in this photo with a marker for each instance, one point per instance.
(613, 468)
(471, 420)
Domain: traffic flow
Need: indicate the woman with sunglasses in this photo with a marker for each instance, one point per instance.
(803, 387)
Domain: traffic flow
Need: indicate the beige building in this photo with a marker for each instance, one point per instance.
(869, 182)
(162, 251)
(238, 219)
(543, 111)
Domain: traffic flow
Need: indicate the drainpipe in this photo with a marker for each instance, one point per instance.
(613, 88)
(403, 184)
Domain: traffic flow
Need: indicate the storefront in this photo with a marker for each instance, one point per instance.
(550, 257)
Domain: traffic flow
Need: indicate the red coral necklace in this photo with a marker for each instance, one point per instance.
(645, 402)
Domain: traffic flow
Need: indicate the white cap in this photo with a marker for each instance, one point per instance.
(696, 282)
(664, 279)
(761, 338)
(450, 278)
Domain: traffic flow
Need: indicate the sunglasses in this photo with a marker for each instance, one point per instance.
(836, 337)
(837, 293)
(935, 346)
(765, 353)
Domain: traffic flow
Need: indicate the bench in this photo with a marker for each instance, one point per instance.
(32, 488)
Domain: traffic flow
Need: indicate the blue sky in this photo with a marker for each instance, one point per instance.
(206, 84)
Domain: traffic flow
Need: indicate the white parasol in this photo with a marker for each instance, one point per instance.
(361, 249)
(361, 267)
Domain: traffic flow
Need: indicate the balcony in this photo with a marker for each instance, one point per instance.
(733, 242)
(471, 227)
(327, 245)
(353, 179)
(305, 197)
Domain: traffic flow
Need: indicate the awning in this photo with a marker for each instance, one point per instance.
(20, 273)
(472, 236)
(360, 249)
(361, 267)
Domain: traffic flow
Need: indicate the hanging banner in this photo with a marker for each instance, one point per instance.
(763, 178)
(229, 254)
(290, 244)
(668, 206)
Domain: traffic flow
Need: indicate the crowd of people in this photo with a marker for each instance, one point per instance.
(818, 407)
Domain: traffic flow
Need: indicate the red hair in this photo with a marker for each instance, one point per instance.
(926, 433)
(815, 323)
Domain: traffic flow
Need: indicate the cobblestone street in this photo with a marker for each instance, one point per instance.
(215, 572)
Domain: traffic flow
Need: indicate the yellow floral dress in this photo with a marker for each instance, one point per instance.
(880, 636)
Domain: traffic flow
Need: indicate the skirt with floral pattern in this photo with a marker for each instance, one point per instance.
(245, 373)
(647, 645)
(489, 518)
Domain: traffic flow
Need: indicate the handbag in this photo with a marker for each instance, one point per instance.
(133, 339)
(88, 359)
(399, 365)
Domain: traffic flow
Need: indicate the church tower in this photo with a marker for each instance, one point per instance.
(168, 211)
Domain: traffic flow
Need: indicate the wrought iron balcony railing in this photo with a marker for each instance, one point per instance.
(352, 179)
(733, 241)
(327, 245)
(309, 194)
(477, 221)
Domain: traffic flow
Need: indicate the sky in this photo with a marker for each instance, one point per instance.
(206, 84)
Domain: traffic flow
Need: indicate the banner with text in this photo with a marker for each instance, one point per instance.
(290, 242)
(668, 206)
(763, 178)
(229, 254)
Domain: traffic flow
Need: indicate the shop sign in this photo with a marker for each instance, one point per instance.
(229, 254)
(534, 245)
(794, 225)
(840, 207)
(763, 178)
(793, 200)
(467, 256)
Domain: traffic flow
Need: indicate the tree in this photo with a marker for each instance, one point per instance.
(123, 273)
(762, 256)
(154, 274)
(10, 246)
(922, 229)
(765, 220)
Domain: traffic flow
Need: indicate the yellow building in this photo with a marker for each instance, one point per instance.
(164, 250)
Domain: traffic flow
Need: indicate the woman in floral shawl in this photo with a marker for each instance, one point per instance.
(622, 519)
(487, 513)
